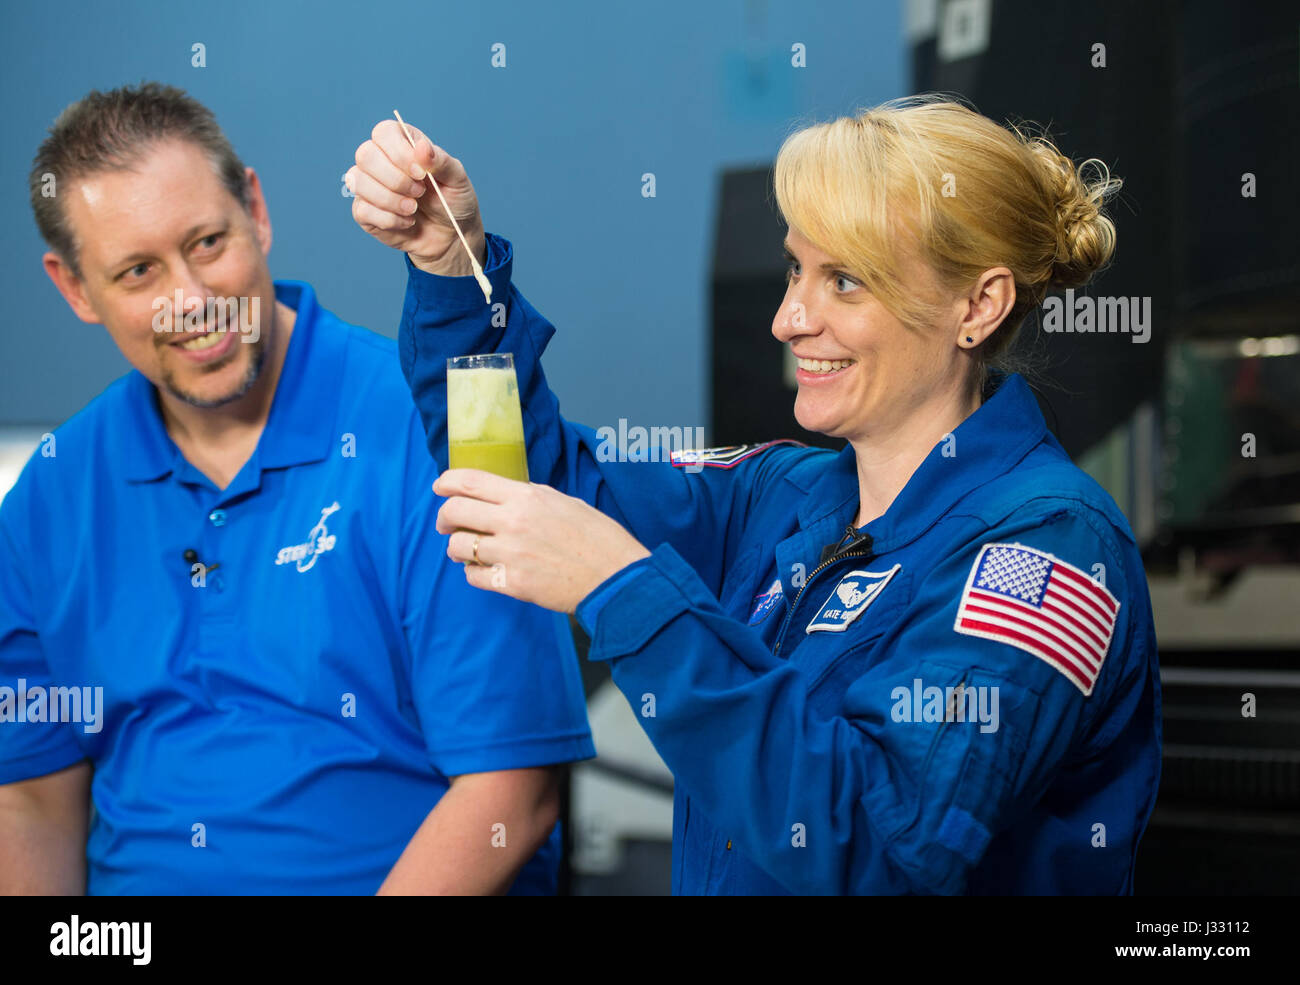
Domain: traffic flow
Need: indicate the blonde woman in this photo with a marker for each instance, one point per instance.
(923, 664)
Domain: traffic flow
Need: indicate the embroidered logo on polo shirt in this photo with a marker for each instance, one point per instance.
(318, 542)
(856, 591)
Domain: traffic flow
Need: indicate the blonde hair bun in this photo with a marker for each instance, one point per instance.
(1085, 235)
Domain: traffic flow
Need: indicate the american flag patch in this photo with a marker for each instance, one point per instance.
(1037, 602)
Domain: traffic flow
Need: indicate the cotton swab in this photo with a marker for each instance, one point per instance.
(479, 276)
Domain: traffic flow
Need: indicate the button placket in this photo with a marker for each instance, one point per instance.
(218, 622)
(218, 518)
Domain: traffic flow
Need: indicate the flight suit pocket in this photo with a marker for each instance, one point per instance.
(832, 661)
(967, 773)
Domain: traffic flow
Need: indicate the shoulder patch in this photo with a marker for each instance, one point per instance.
(725, 457)
(1035, 601)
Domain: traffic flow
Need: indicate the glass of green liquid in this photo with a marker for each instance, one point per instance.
(485, 428)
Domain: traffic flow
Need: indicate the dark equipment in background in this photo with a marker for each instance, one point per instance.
(753, 393)
(1197, 109)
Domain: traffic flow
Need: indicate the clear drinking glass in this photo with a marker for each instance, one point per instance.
(485, 427)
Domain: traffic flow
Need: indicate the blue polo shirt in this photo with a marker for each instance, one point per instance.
(284, 721)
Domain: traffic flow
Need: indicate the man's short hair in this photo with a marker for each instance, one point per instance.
(110, 131)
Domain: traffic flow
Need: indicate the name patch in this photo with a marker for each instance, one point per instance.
(851, 597)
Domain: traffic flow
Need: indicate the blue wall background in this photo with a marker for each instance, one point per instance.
(592, 96)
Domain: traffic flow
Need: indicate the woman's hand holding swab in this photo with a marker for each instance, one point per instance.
(390, 202)
(478, 269)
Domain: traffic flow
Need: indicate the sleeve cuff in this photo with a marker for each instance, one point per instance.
(588, 610)
(40, 764)
(662, 587)
(454, 296)
(514, 754)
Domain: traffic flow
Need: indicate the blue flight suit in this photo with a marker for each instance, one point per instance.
(965, 699)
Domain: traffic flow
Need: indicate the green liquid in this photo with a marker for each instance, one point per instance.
(504, 458)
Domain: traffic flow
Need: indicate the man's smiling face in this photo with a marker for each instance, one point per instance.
(167, 223)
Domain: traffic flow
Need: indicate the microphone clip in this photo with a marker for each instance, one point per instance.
(851, 539)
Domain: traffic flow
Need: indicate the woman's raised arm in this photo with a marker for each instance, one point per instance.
(445, 315)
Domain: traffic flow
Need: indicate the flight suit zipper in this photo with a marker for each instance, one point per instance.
(833, 559)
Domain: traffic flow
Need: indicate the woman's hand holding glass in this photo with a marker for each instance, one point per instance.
(533, 543)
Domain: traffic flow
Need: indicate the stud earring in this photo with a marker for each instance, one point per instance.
(969, 339)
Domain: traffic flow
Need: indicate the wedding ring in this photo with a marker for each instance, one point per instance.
(476, 560)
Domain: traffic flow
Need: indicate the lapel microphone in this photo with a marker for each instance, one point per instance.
(191, 555)
(851, 539)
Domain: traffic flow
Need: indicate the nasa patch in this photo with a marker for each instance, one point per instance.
(766, 602)
(856, 591)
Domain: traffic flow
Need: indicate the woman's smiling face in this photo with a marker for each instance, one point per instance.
(861, 370)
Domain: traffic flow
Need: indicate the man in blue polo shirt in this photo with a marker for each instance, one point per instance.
(222, 594)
